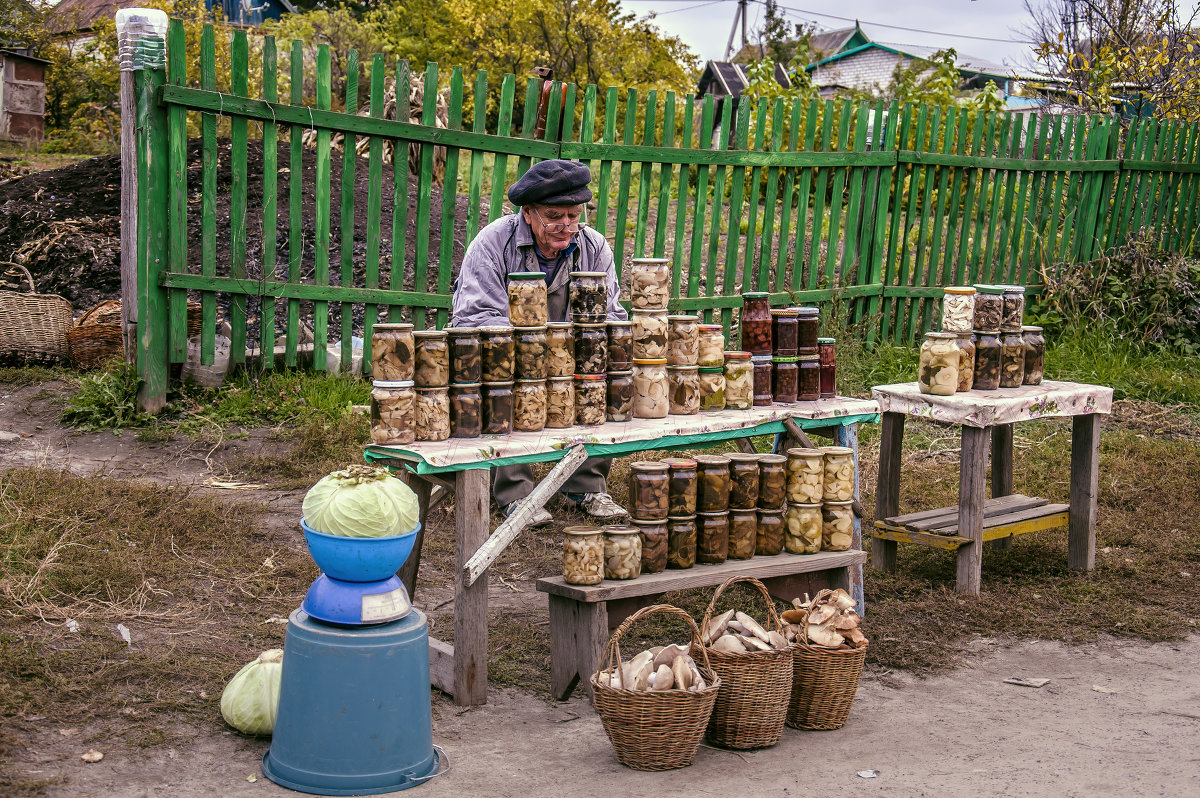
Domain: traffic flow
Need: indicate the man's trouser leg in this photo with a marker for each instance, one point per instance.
(511, 483)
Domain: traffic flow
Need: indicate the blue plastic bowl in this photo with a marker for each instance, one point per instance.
(358, 559)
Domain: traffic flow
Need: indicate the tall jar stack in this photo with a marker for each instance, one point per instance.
(820, 498)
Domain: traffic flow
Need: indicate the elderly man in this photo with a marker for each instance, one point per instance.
(546, 235)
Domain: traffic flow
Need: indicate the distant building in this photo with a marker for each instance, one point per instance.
(726, 80)
(22, 97)
(77, 20)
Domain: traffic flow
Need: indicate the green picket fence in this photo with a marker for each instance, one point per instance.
(872, 205)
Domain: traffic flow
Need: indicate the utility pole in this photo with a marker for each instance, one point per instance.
(739, 17)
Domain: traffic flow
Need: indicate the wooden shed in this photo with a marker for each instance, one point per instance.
(22, 96)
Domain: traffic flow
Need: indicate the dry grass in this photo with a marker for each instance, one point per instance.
(306, 454)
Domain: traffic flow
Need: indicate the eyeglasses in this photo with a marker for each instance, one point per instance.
(558, 227)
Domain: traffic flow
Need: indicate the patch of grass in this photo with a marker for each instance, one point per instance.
(21, 376)
(306, 454)
(106, 400)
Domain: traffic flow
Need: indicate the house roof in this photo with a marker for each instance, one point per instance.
(15, 54)
(732, 78)
(966, 63)
(826, 43)
(71, 16)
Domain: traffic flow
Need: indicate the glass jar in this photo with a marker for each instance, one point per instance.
(466, 354)
(828, 360)
(497, 408)
(527, 299)
(739, 381)
(649, 329)
(431, 359)
(711, 351)
(837, 526)
(531, 353)
(989, 307)
(769, 541)
(1012, 360)
(648, 490)
(1035, 354)
(756, 322)
(681, 541)
(810, 323)
(589, 297)
(649, 284)
(654, 545)
(560, 349)
(620, 396)
(987, 361)
(785, 331)
(591, 349)
(620, 345)
(809, 380)
(772, 481)
(622, 552)
(743, 534)
(712, 538)
(392, 419)
(560, 402)
(805, 476)
(431, 411)
(591, 399)
(1013, 316)
(712, 490)
(938, 373)
(683, 478)
(762, 380)
(838, 482)
(712, 389)
(785, 379)
(958, 309)
(499, 353)
(392, 352)
(683, 340)
(965, 343)
(583, 555)
(650, 388)
(529, 405)
(802, 529)
(466, 410)
(743, 481)
(684, 387)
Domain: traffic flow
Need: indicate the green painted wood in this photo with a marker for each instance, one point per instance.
(306, 291)
(321, 203)
(699, 205)
(733, 157)
(902, 206)
(1166, 141)
(1042, 222)
(925, 177)
(1010, 241)
(822, 188)
(533, 92)
(239, 68)
(1171, 200)
(662, 215)
(152, 245)
(1145, 194)
(968, 161)
(953, 131)
(568, 113)
(450, 192)
(982, 263)
(642, 218)
(681, 206)
(1191, 195)
(553, 111)
(1135, 145)
(295, 205)
(718, 216)
(609, 135)
(788, 198)
(1023, 254)
(1090, 195)
(858, 216)
(737, 192)
(504, 115)
(621, 233)
(837, 199)
(177, 195)
(767, 233)
(424, 194)
(475, 178)
(968, 188)
(995, 260)
(346, 236)
(801, 259)
(400, 176)
(1072, 191)
(208, 197)
(1106, 201)
(884, 190)
(270, 204)
(374, 207)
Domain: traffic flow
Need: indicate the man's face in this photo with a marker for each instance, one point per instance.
(543, 219)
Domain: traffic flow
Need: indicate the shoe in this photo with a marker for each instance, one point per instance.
(599, 506)
(539, 518)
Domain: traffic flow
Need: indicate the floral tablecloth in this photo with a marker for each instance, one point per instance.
(1051, 399)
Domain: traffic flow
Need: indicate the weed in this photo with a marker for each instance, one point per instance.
(106, 400)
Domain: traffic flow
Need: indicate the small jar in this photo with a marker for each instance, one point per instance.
(711, 351)
(989, 307)
(589, 297)
(1035, 354)
(809, 380)
(392, 419)
(762, 380)
(1012, 360)
(769, 540)
(591, 399)
(810, 323)
(650, 388)
(785, 331)
(802, 529)
(591, 349)
(650, 284)
(785, 379)
(527, 299)
(805, 476)
(583, 555)
(466, 410)
(828, 360)
(938, 372)
(743, 534)
(684, 388)
(987, 361)
(712, 389)
(743, 481)
(712, 491)
(620, 345)
(499, 353)
(431, 359)
(654, 545)
(466, 354)
(681, 541)
(649, 329)
(965, 343)
(683, 478)
(622, 552)
(560, 349)
(1013, 316)
(497, 408)
(560, 402)
(756, 322)
(529, 405)
(958, 309)
(392, 352)
(739, 381)
(837, 526)
(838, 482)
(431, 411)
(683, 340)
(648, 490)
(620, 396)
(712, 538)
(531, 353)
(772, 481)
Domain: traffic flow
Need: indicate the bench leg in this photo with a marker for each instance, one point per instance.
(408, 571)
(1085, 484)
(887, 487)
(972, 479)
(847, 435)
(1002, 470)
(471, 499)
(578, 632)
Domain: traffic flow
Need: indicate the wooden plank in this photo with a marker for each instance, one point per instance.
(1010, 238)
(321, 204)
(967, 180)
(647, 172)
(1071, 200)
(450, 193)
(238, 183)
(903, 185)
(578, 634)
(971, 480)
(802, 259)
(475, 176)
(533, 88)
(1002, 471)
(943, 515)
(890, 537)
(208, 198)
(152, 179)
(738, 156)
(699, 207)
(129, 209)
(1028, 263)
(441, 665)
(765, 265)
(749, 283)
(837, 197)
(846, 435)
(608, 138)
(717, 219)
(662, 215)
(346, 235)
(270, 205)
(681, 205)
(737, 190)
(921, 259)
(951, 127)
(1191, 194)
(887, 486)
(620, 233)
(989, 213)
(177, 195)
(995, 528)
(400, 170)
(295, 203)
(992, 521)
(785, 219)
(471, 500)
(818, 221)
(424, 194)
(886, 197)
(374, 207)
(1085, 474)
(508, 88)
(854, 223)
(968, 161)
(321, 293)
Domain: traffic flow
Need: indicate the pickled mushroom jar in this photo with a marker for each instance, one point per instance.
(743, 481)
(712, 389)
(711, 352)
(681, 541)
(648, 489)
(650, 388)
(1012, 318)
(958, 309)
(809, 383)
(762, 380)
(583, 555)
(756, 322)
(589, 297)
(989, 308)
(466, 410)
(591, 399)
(591, 349)
(938, 373)
(683, 478)
(838, 482)
(529, 405)
(431, 409)
(527, 299)
(837, 526)
(650, 284)
(772, 481)
(712, 537)
(392, 352)
(466, 354)
(497, 408)
(805, 476)
(802, 532)
(1035, 354)
(965, 343)
(785, 379)
(1012, 360)
(560, 402)
(622, 552)
(620, 396)
(785, 331)
(743, 534)
(654, 545)
(987, 361)
(620, 345)
(392, 419)
(809, 326)
(683, 340)
(560, 349)
(649, 334)
(828, 360)
(531, 353)
(431, 359)
(739, 381)
(499, 353)
(712, 491)
(684, 387)
(770, 533)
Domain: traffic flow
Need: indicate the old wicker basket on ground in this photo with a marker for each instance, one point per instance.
(33, 326)
(652, 730)
(824, 682)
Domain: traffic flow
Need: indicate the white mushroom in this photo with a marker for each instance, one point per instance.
(717, 626)
(728, 643)
(752, 626)
(667, 654)
(824, 636)
(662, 679)
(682, 672)
(842, 600)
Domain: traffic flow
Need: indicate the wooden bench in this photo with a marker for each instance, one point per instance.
(1003, 517)
(581, 617)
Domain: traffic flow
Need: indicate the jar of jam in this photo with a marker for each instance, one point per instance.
(785, 379)
(965, 343)
(785, 331)
(531, 353)
(810, 323)
(431, 409)
(431, 359)
(805, 476)
(712, 494)
(392, 419)
(650, 388)
(1035, 354)
(620, 345)
(683, 478)
(1013, 315)
(989, 308)
(560, 402)
(1012, 360)
(987, 361)
(392, 352)
(648, 490)
(838, 482)
(802, 529)
(497, 408)
(466, 354)
(743, 534)
(466, 410)
(809, 380)
(591, 399)
(527, 299)
(684, 387)
(681, 541)
(591, 349)
(712, 538)
(622, 552)
(743, 481)
(958, 309)
(583, 555)
(828, 360)
(756, 322)
(654, 545)
(739, 381)
(560, 349)
(772, 481)
(683, 340)
(529, 405)
(762, 381)
(837, 526)
(649, 334)
(499, 353)
(650, 284)
(712, 346)
(589, 297)
(712, 389)
(770, 533)
(938, 371)
(620, 396)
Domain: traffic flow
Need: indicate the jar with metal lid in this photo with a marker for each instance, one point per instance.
(1012, 360)
(529, 405)
(392, 352)
(560, 402)
(431, 410)
(654, 545)
(392, 419)
(620, 345)
(1013, 316)
(805, 476)
(466, 410)
(838, 483)
(938, 372)
(648, 490)
(711, 350)
(802, 529)
(965, 344)
(527, 299)
(683, 478)
(712, 389)
(622, 552)
(620, 396)
(589, 297)
(712, 491)
(772, 481)
(466, 354)
(809, 378)
(785, 379)
(649, 334)
(762, 380)
(650, 388)
(591, 349)
(837, 526)
(684, 387)
(431, 359)
(499, 353)
(743, 533)
(739, 381)
(531, 353)
(712, 537)
(683, 340)
(828, 359)
(958, 309)
(987, 361)
(756, 322)
(785, 331)
(583, 555)
(649, 284)
(810, 323)
(591, 399)
(560, 349)
(743, 481)
(1035, 354)
(770, 533)
(681, 541)
(497, 408)
(989, 308)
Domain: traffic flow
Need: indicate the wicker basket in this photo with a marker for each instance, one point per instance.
(755, 685)
(94, 345)
(33, 327)
(654, 730)
(824, 682)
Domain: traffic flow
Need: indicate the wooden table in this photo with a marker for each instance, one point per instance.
(989, 416)
(462, 467)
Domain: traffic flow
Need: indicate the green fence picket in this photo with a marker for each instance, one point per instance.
(400, 169)
(475, 178)
(450, 195)
(177, 194)
(749, 283)
(769, 205)
(295, 205)
(321, 200)
(374, 207)
(424, 194)
(238, 182)
(621, 232)
(643, 204)
(270, 205)
(662, 214)
(786, 200)
(346, 236)
(504, 117)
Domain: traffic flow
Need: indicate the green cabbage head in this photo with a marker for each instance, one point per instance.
(361, 502)
(252, 695)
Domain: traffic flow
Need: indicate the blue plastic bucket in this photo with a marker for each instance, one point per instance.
(358, 559)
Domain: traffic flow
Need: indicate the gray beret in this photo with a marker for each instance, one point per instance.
(553, 182)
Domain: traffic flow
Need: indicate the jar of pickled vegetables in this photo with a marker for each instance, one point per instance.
(712, 389)
(805, 476)
(809, 325)
(650, 388)
(560, 402)
(762, 380)
(712, 493)
(683, 478)
(654, 545)
(712, 537)
(769, 541)
(712, 346)
(466, 410)
(1035, 354)
(987, 361)
(743, 481)
(838, 482)
(683, 340)
(756, 322)
(622, 552)
(1013, 315)
(497, 408)
(583, 555)
(650, 284)
(620, 345)
(649, 334)
(392, 352)
(529, 405)
(828, 360)
(648, 490)
(958, 309)
(591, 349)
(684, 390)
(739, 381)
(1012, 360)
(785, 379)
(837, 526)
(938, 374)
(466, 354)
(809, 382)
(743, 534)
(591, 399)
(431, 408)
(802, 529)
(499, 353)
(531, 353)
(681, 541)
(620, 396)
(785, 331)
(772, 481)
(527, 299)
(989, 308)
(392, 418)
(965, 343)
(588, 297)
(560, 349)
(431, 359)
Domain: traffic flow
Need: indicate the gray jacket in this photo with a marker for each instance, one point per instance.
(506, 246)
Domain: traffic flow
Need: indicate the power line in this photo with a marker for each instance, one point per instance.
(900, 27)
(657, 14)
